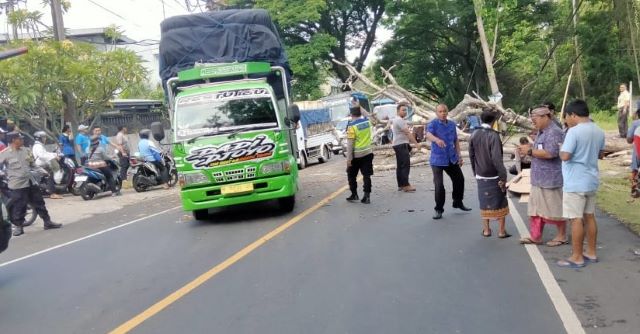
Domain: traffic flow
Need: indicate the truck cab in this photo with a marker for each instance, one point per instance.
(233, 138)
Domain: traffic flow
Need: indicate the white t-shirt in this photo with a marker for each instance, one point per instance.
(399, 137)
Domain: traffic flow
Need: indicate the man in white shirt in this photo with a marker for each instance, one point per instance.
(624, 101)
(47, 160)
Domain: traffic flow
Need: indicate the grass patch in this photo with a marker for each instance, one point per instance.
(606, 120)
(613, 198)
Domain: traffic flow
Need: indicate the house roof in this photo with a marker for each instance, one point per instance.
(74, 34)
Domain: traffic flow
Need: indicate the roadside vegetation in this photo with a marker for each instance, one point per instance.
(614, 198)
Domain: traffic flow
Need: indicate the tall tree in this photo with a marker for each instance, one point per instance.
(31, 86)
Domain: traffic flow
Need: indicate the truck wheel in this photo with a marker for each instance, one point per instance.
(287, 203)
(202, 214)
(303, 161)
(326, 155)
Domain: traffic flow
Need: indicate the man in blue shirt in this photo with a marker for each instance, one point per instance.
(82, 142)
(580, 152)
(445, 156)
(150, 153)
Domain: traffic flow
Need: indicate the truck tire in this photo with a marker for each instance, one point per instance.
(326, 155)
(202, 214)
(303, 161)
(287, 203)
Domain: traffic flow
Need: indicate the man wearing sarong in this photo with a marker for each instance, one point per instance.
(485, 153)
(545, 199)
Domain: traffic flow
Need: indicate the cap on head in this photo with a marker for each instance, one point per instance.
(11, 136)
(82, 127)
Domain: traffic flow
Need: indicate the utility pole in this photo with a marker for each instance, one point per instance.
(577, 47)
(488, 59)
(58, 31)
(58, 23)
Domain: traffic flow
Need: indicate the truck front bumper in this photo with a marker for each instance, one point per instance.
(207, 197)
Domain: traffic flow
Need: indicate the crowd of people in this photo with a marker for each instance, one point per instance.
(563, 163)
(24, 167)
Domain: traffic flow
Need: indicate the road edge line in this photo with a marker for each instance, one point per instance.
(84, 238)
(560, 302)
(203, 278)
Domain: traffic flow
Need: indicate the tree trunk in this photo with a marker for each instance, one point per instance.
(488, 60)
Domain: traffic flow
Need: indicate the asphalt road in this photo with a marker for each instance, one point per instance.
(342, 268)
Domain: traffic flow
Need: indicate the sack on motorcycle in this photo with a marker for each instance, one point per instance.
(97, 164)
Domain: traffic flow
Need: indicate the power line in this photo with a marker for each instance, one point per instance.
(115, 14)
(181, 5)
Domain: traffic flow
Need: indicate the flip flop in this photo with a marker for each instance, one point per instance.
(570, 264)
(529, 241)
(556, 243)
(486, 235)
(589, 259)
(504, 236)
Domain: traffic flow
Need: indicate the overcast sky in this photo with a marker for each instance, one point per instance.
(139, 19)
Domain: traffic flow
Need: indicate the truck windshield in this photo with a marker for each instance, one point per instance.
(224, 112)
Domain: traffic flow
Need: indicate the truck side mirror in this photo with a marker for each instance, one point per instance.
(157, 130)
(293, 115)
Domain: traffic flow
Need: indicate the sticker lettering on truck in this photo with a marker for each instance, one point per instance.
(260, 147)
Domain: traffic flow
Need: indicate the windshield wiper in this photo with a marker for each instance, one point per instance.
(251, 127)
(193, 140)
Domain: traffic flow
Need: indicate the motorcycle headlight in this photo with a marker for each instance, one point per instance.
(187, 179)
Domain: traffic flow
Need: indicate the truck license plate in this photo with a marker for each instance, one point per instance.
(236, 188)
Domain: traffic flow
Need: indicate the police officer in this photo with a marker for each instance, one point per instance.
(359, 154)
(19, 165)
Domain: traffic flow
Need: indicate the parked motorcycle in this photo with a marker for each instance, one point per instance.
(91, 182)
(64, 180)
(5, 193)
(146, 175)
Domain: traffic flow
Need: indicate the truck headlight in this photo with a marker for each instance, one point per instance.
(271, 168)
(187, 179)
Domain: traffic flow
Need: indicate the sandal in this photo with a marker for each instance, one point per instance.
(529, 241)
(556, 243)
(504, 236)
(486, 235)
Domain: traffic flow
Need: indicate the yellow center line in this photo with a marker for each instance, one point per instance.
(175, 296)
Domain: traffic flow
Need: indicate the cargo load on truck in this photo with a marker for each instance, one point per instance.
(227, 36)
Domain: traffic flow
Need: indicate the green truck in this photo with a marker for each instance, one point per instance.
(232, 125)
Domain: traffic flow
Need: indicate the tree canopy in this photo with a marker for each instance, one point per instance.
(31, 85)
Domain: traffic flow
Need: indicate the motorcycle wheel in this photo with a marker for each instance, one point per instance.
(137, 186)
(75, 190)
(87, 194)
(118, 184)
(173, 178)
(30, 216)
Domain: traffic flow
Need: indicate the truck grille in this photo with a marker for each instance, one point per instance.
(235, 175)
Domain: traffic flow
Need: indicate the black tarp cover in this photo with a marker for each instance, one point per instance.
(219, 37)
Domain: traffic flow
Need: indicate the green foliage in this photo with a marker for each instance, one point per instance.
(437, 54)
(32, 85)
(315, 31)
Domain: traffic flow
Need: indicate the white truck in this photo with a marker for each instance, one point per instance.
(315, 134)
